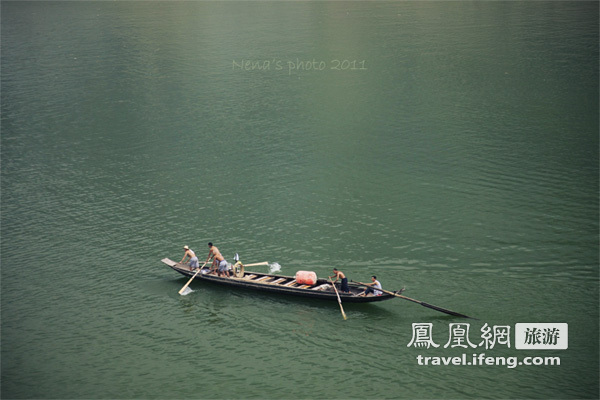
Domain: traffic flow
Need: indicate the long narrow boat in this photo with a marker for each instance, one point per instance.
(287, 285)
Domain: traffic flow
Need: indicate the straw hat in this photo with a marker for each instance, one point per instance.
(186, 248)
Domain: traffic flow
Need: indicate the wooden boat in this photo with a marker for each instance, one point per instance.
(264, 282)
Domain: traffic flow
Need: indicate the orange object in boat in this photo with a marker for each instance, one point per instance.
(306, 277)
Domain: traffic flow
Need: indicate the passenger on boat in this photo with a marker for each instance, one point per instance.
(340, 275)
(193, 259)
(219, 265)
(374, 285)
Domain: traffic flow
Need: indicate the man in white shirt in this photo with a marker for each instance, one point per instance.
(373, 289)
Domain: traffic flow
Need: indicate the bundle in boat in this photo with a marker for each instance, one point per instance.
(306, 277)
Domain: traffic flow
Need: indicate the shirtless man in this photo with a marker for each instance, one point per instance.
(219, 264)
(193, 259)
(340, 275)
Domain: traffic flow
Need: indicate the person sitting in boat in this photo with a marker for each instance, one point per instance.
(373, 289)
(193, 259)
(340, 275)
(219, 265)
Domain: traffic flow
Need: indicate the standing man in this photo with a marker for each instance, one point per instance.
(340, 275)
(374, 285)
(193, 259)
(219, 263)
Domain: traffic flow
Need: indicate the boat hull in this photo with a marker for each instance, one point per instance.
(280, 284)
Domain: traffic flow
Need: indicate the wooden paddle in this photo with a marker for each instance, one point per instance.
(255, 264)
(192, 278)
(420, 302)
(240, 272)
(339, 300)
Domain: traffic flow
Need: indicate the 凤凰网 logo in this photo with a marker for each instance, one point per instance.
(527, 336)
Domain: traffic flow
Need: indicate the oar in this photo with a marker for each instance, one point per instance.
(421, 303)
(255, 264)
(238, 268)
(191, 279)
(339, 300)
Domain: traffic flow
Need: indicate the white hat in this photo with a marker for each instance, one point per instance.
(186, 248)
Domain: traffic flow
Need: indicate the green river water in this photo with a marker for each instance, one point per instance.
(447, 147)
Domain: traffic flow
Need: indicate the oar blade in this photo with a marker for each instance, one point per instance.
(186, 291)
(440, 309)
(183, 289)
